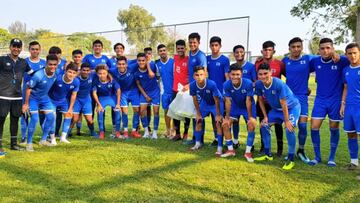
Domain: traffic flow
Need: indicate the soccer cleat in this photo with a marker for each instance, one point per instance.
(331, 163)
(351, 167)
(53, 141)
(154, 136)
(135, 134)
(118, 135)
(248, 157)
(279, 153)
(218, 153)
(288, 165)
(185, 136)
(64, 140)
(146, 135)
(264, 158)
(78, 132)
(94, 134)
(301, 154)
(314, 162)
(228, 153)
(29, 148)
(45, 143)
(177, 137)
(102, 135)
(196, 147)
(236, 146)
(23, 142)
(214, 143)
(126, 134)
(16, 147)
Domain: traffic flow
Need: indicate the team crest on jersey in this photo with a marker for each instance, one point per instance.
(194, 60)
(218, 64)
(44, 81)
(359, 72)
(273, 91)
(243, 91)
(208, 91)
(232, 91)
(109, 85)
(140, 76)
(93, 61)
(245, 71)
(288, 63)
(303, 62)
(8, 64)
(72, 87)
(319, 67)
(177, 69)
(60, 85)
(99, 86)
(102, 60)
(89, 81)
(334, 67)
(127, 74)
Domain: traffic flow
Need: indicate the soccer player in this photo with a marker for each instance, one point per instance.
(35, 63)
(125, 77)
(65, 84)
(207, 100)
(239, 101)
(350, 103)
(148, 53)
(285, 108)
(328, 98)
(82, 105)
(37, 98)
(165, 70)
(181, 77)
(106, 92)
(77, 56)
(277, 69)
(119, 49)
(96, 57)
(150, 93)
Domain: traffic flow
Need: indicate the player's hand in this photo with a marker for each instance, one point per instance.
(342, 110)
(265, 121)
(198, 118)
(99, 109)
(226, 122)
(185, 88)
(251, 123)
(69, 113)
(335, 57)
(151, 75)
(148, 99)
(25, 107)
(289, 126)
(218, 118)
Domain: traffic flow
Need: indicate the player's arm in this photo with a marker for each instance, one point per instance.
(25, 106)
(142, 91)
(118, 97)
(285, 110)
(150, 72)
(218, 117)
(72, 102)
(96, 98)
(343, 100)
(263, 109)
(197, 108)
(226, 120)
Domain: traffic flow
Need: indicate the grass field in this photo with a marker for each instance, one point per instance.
(90, 170)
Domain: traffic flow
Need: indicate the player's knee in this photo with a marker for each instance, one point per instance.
(352, 135)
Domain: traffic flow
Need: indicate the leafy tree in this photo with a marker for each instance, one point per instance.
(83, 41)
(5, 38)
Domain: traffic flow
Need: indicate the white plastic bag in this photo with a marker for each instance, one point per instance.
(182, 106)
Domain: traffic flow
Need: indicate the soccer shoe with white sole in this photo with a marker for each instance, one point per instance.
(29, 148)
(196, 147)
(45, 143)
(288, 165)
(301, 154)
(154, 136)
(229, 153)
(248, 157)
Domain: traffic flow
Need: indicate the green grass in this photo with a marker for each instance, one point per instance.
(90, 170)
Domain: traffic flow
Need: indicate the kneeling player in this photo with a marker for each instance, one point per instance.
(207, 100)
(284, 108)
(239, 102)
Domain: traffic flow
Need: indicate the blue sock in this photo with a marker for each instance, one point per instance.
(236, 129)
(101, 121)
(215, 134)
(32, 126)
(117, 118)
(125, 120)
(220, 140)
(229, 142)
(135, 121)
(334, 141)
(48, 125)
(144, 121)
(265, 130)
(353, 148)
(91, 128)
(315, 137)
(250, 139)
(291, 138)
(24, 124)
(66, 125)
(79, 125)
(156, 122)
(42, 119)
(302, 134)
(58, 122)
(197, 135)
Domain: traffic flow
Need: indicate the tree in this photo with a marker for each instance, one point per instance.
(334, 17)
(17, 27)
(314, 45)
(83, 41)
(5, 38)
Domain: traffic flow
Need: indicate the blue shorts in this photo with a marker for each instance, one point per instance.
(107, 101)
(166, 100)
(323, 107)
(42, 104)
(206, 110)
(236, 112)
(352, 119)
(154, 95)
(303, 99)
(277, 116)
(131, 96)
(61, 106)
(83, 105)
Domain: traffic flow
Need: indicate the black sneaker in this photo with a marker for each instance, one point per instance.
(351, 167)
(78, 133)
(177, 137)
(214, 143)
(279, 153)
(301, 154)
(16, 147)
(236, 146)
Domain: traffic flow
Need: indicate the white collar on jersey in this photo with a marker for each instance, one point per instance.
(201, 87)
(237, 88)
(272, 81)
(63, 79)
(195, 53)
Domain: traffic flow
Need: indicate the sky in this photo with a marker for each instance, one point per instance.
(269, 20)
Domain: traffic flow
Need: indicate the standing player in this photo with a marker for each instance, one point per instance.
(125, 77)
(350, 103)
(37, 98)
(165, 70)
(96, 57)
(207, 100)
(239, 102)
(66, 84)
(35, 63)
(328, 98)
(285, 108)
(150, 93)
(277, 69)
(77, 56)
(148, 53)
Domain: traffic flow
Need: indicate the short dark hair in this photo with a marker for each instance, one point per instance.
(236, 66)
(119, 44)
(146, 49)
(76, 51)
(326, 40)
(141, 55)
(71, 66)
(197, 68)
(121, 58)
(264, 66)
(160, 46)
(352, 45)
(238, 47)
(51, 57)
(180, 42)
(54, 50)
(101, 67)
(194, 35)
(97, 42)
(85, 65)
(268, 44)
(294, 40)
(215, 39)
(33, 43)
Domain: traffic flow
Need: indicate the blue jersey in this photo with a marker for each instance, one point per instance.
(126, 80)
(112, 62)
(40, 84)
(249, 71)
(94, 61)
(61, 66)
(329, 77)
(105, 89)
(85, 86)
(217, 68)
(197, 59)
(352, 79)
(166, 72)
(297, 74)
(35, 66)
(61, 89)
(238, 94)
(205, 94)
(147, 83)
(277, 90)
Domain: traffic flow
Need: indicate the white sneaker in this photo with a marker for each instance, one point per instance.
(196, 147)
(45, 143)
(154, 136)
(53, 141)
(29, 148)
(64, 140)
(146, 135)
